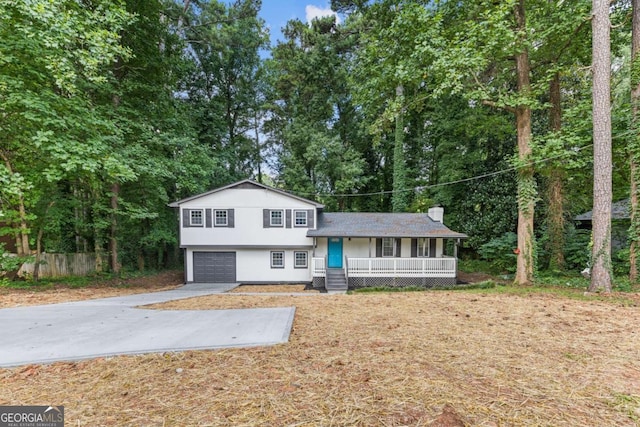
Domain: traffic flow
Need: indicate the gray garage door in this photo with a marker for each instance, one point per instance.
(214, 267)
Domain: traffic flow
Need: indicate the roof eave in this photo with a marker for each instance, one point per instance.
(177, 204)
(406, 236)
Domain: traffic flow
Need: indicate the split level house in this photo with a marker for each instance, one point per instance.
(248, 232)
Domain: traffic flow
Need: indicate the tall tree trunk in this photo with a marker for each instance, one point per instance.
(555, 191)
(634, 155)
(97, 248)
(80, 217)
(36, 263)
(258, 152)
(185, 9)
(115, 195)
(526, 180)
(23, 249)
(113, 238)
(22, 237)
(602, 163)
(399, 196)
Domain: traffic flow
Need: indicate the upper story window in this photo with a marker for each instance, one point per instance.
(276, 218)
(423, 247)
(196, 218)
(221, 218)
(388, 247)
(300, 218)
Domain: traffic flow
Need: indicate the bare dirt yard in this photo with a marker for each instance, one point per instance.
(273, 289)
(383, 359)
(111, 287)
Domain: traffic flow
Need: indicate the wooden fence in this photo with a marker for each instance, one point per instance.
(61, 265)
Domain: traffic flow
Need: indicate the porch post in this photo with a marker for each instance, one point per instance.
(369, 247)
(455, 249)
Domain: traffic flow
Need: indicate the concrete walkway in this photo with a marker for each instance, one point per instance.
(113, 326)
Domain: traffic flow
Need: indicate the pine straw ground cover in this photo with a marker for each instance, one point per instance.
(371, 359)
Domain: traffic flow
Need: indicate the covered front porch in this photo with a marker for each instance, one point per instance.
(383, 249)
(393, 272)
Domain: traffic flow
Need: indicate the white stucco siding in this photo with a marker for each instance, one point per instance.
(248, 230)
(321, 247)
(247, 198)
(254, 265)
(354, 248)
(358, 248)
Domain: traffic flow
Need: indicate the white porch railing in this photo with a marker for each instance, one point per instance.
(392, 267)
(318, 268)
(402, 267)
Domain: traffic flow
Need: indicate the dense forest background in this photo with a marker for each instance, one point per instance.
(110, 110)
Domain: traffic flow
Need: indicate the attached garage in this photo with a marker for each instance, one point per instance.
(214, 267)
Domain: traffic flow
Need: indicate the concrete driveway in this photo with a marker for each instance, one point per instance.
(113, 326)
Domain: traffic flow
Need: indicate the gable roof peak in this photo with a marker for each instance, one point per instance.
(245, 184)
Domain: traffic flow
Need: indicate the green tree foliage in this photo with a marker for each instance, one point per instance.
(110, 109)
(49, 128)
(223, 83)
(314, 128)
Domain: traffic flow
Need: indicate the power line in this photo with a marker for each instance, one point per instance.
(459, 181)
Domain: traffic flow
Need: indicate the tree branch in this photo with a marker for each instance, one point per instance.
(494, 104)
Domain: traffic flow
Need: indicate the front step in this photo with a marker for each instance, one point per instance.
(335, 280)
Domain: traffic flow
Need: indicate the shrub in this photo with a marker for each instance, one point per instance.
(499, 252)
(577, 253)
(10, 263)
(620, 261)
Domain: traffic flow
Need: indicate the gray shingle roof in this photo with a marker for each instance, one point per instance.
(619, 210)
(361, 224)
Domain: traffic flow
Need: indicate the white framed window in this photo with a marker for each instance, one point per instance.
(388, 247)
(196, 218)
(277, 259)
(276, 218)
(221, 218)
(300, 259)
(423, 247)
(300, 218)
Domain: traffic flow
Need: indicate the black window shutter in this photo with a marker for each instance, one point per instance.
(186, 218)
(432, 248)
(414, 248)
(266, 218)
(231, 220)
(310, 223)
(208, 218)
(378, 248)
(288, 215)
(398, 248)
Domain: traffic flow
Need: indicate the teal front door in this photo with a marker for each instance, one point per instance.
(335, 252)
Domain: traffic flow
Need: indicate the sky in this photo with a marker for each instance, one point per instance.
(276, 13)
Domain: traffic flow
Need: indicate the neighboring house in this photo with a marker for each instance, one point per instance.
(251, 233)
(620, 222)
